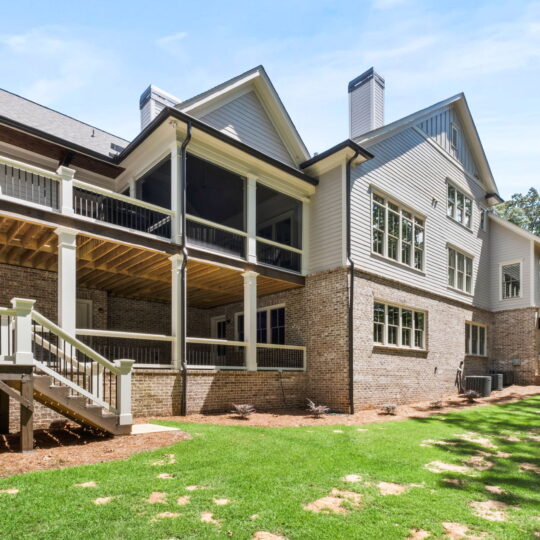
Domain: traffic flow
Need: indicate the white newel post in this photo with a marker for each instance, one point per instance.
(176, 193)
(250, 318)
(97, 380)
(4, 337)
(66, 189)
(23, 330)
(177, 311)
(252, 219)
(123, 392)
(67, 279)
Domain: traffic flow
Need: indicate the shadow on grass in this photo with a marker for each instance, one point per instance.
(518, 419)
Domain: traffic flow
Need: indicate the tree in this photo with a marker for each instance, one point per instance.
(522, 210)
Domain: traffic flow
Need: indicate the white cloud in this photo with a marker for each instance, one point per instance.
(173, 44)
(47, 66)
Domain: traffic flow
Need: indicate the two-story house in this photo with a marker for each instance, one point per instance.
(212, 260)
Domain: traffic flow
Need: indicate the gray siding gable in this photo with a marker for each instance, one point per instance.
(245, 119)
(409, 169)
(438, 127)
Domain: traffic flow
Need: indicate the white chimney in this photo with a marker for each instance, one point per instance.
(153, 101)
(366, 103)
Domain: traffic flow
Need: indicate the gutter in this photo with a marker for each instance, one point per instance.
(351, 283)
(183, 287)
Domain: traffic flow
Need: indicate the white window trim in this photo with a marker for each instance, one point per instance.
(399, 346)
(415, 214)
(485, 326)
(468, 256)
(467, 195)
(268, 321)
(508, 263)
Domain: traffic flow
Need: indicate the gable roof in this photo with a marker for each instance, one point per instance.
(460, 103)
(257, 80)
(514, 228)
(51, 122)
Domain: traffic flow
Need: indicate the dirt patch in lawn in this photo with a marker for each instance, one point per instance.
(335, 503)
(70, 446)
(490, 510)
(299, 417)
(455, 531)
(418, 534)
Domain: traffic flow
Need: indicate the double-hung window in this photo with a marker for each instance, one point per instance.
(398, 326)
(459, 206)
(475, 339)
(460, 268)
(511, 280)
(398, 233)
(270, 325)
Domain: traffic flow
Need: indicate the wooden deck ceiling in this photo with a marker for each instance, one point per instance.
(126, 270)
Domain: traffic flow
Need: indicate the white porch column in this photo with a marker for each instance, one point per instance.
(177, 309)
(132, 189)
(176, 193)
(123, 392)
(251, 201)
(66, 189)
(23, 330)
(305, 236)
(250, 318)
(67, 279)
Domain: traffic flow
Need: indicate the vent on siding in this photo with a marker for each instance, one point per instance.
(153, 100)
(366, 103)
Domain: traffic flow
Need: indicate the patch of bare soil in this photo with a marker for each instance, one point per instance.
(103, 500)
(490, 510)
(300, 417)
(529, 467)
(391, 488)
(208, 517)
(440, 467)
(476, 439)
(496, 490)
(352, 478)
(479, 463)
(157, 497)
(418, 534)
(335, 502)
(263, 535)
(456, 531)
(71, 445)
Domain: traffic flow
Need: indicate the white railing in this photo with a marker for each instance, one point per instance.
(209, 353)
(146, 350)
(272, 357)
(39, 342)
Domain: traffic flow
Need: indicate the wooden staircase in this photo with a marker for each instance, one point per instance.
(64, 374)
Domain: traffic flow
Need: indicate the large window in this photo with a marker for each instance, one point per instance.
(270, 325)
(397, 233)
(398, 326)
(459, 206)
(511, 280)
(475, 339)
(459, 270)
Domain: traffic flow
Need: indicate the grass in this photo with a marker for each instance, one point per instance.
(274, 472)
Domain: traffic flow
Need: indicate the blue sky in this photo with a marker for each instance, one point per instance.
(92, 60)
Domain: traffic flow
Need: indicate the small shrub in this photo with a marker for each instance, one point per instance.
(243, 411)
(436, 404)
(388, 408)
(317, 410)
(471, 395)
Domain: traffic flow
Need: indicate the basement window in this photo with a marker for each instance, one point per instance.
(475, 339)
(398, 326)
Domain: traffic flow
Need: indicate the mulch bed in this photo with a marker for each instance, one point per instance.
(71, 445)
(298, 418)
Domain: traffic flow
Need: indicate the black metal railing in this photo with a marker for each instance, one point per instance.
(209, 355)
(28, 186)
(140, 351)
(72, 364)
(271, 358)
(119, 212)
(278, 256)
(215, 238)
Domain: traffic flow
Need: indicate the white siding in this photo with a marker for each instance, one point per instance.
(326, 232)
(407, 167)
(245, 119)
(505, 246)
(438, 127)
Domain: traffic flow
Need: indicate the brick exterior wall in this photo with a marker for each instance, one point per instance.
(384, 375)
(517, 337)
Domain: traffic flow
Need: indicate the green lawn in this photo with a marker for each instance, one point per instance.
(275, 472)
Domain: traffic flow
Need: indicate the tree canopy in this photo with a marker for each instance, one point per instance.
(522, 210)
